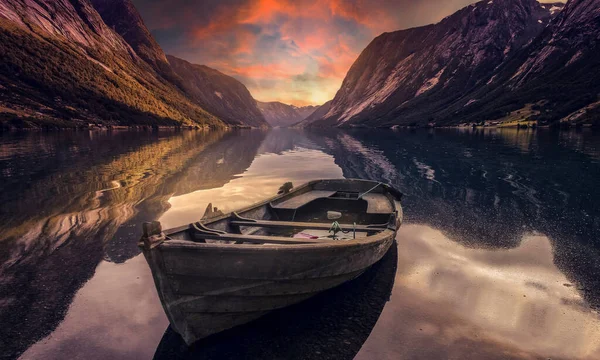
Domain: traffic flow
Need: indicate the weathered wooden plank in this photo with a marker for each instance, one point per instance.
(303, 199)
(305, 225)
(199, 325)
(258, 239)
(198, 284)
(272, 262)
(378, 204)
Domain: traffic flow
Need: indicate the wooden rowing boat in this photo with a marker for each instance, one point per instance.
(229, 269)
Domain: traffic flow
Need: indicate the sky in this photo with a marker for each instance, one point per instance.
(293, 51)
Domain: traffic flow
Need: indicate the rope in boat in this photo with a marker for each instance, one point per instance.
(373, 188)
(335, 228)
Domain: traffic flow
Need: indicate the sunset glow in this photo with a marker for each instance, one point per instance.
(296, 52)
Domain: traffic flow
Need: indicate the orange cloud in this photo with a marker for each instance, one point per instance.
(295, 51)
(260, 71)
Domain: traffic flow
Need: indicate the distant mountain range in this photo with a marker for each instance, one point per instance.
(74, 62)
(317, 114)
(509, 61)
(282, 115)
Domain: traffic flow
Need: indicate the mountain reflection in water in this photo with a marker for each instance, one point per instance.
(498, 258)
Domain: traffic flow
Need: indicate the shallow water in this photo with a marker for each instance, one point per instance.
(498, 258)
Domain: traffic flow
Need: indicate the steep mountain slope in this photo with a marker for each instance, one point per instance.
(123, 17)
(280, 114)
(75, 21)
(316, 115)
(305, 111)
(412, 76)
(218, 93)
(62, 65)
(559, 73)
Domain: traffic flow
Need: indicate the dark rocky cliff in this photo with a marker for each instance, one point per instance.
(218, 93)
(444, 73)
(123, 17)
(61, 65)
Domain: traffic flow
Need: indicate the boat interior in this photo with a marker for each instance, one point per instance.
(323, 211)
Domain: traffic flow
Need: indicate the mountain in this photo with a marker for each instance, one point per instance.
(280, 114)
(316, 115)
(432, 74)
(61, 65)
(218, 93)
(123, 17)
(557, 76)
(305, 111)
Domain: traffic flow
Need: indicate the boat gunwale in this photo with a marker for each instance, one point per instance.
(248, 208)
(380, 235)
(189, 244)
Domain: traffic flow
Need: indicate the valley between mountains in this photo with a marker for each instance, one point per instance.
(72, 63)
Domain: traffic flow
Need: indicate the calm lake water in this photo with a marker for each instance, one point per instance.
(499, 256)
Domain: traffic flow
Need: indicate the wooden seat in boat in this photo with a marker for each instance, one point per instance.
(378, 204)
(303, 199)
(304, 225)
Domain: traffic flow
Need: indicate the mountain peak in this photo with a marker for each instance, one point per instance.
(220, 94)
(123, 17)
(73, 20)
(399, 70)
(486, 62)
(279, 114)
(78, 69)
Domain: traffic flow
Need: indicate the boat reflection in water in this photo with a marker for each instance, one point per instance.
(332, 325)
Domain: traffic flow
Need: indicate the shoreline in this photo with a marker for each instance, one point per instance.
(101, 128)
(128, 128)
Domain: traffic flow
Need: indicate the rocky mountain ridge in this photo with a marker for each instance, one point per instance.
(69, 63)
(218, 93)
(484, 63)
(316, 115)
(124, 19)
(281, 115)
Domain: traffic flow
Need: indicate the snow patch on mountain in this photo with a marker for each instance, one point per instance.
(431, 83)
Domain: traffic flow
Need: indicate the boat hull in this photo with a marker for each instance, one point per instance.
(208, 288)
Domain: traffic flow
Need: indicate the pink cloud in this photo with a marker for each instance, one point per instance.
(285, 49)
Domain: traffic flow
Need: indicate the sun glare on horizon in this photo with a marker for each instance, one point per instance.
(295, 52)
